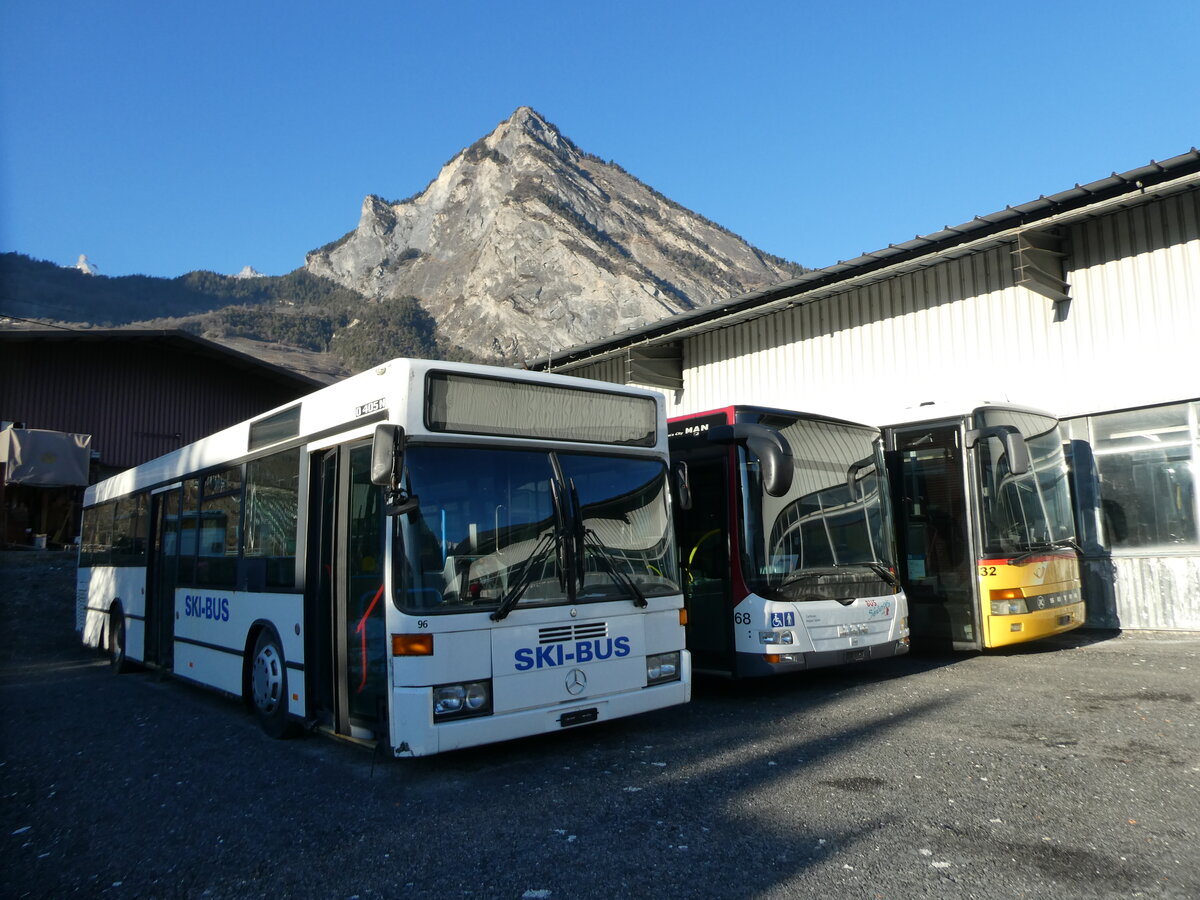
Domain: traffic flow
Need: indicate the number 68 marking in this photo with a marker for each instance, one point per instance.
(742, 618)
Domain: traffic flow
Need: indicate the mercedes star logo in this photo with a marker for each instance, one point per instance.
(576, 682)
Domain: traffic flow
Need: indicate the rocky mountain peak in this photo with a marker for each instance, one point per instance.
(523, 244)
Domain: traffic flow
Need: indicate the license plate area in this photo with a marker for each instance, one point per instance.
(856, 655)
(578, 717)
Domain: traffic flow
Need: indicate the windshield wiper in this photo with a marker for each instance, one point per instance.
(811, 572)
(533, 564)
(881, 570)
(564, 557)
(583, 538)
(610, 565)
(1035, 549)
(817, 571)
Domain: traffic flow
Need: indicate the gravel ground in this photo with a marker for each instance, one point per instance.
(1065, 769)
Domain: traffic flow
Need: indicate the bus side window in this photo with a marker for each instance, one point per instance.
(271, 503)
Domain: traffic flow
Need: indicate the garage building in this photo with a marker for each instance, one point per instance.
(1085, 303)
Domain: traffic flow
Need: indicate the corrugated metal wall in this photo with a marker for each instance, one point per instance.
(961, 331)
(132, 399)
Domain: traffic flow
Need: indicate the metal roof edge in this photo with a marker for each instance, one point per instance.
(1080, 197)
(203, 345)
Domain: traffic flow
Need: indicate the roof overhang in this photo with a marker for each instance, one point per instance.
(171, 339)
(1080, 203)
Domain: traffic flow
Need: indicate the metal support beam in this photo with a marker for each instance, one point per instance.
(656, 365)
(1039, 261)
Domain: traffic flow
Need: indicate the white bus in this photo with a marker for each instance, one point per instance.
(427, 554)
(786, 534)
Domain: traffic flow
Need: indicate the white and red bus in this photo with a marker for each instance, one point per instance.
(785, 540)
(425, 555)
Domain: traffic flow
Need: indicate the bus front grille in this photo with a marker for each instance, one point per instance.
(558, 634)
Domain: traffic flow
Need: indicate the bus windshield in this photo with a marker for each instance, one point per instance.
(543, 527)
(831, 528)
(1024, 512)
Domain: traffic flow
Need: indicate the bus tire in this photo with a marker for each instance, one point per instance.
(268, 695)
(116, 640)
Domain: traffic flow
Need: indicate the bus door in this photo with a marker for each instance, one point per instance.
(346, 599)
(933, 536)
(702, 535)
(161, 578)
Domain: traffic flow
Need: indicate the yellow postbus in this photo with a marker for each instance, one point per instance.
(984, 530)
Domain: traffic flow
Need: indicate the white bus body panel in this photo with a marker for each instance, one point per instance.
(535, 659)
(212, 628)
(823, 630)
(97, 589)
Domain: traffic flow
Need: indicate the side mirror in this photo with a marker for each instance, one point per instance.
(683, 487)
(387, 466)
(852, 475)
(387, 454)
(1015, 447)
(772, 449)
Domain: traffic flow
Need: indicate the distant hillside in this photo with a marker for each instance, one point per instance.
(300, 313)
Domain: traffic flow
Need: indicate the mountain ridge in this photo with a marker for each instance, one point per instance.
(523, 223)
(522, 244)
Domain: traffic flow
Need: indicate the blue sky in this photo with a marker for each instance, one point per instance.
(163, 137)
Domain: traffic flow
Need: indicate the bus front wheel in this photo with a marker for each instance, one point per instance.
(268, 685)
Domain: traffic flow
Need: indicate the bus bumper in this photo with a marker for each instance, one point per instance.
(1005, 630)
(753, 665)
(415, 734)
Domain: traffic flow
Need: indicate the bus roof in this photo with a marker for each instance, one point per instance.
(349, 408)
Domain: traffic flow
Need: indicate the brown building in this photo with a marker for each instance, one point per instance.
(139, 394)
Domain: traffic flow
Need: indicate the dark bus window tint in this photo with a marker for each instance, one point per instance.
(129, 532)
(272, 498)
(218, 526)
(276, 428)
(189, 531)
(96, 536)
(104, 535)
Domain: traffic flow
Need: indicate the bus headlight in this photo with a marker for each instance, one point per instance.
(1008, 602)
(662, 667)
(776, 637)
(460, 701)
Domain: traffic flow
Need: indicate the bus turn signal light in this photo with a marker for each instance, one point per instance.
(682, 616)
(412, 645)
(1008, 594)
